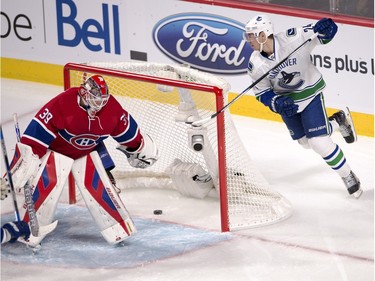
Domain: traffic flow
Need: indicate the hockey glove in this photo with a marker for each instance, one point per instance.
(17, 229)
(143, 157)
(283, 105)
(326, 29)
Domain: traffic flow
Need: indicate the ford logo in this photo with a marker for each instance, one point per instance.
(208, 42)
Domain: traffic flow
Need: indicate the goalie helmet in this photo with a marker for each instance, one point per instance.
(95, 94)
(258, 24)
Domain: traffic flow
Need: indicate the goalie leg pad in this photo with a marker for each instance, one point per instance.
(101, 199)
(190, 179)
(24, 165)
(46, 188)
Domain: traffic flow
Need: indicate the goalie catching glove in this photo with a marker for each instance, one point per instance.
(145, 156)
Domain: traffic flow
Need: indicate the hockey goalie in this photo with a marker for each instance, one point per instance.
(66, 136)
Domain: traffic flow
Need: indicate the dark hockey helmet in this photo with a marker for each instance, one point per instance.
(95, 94)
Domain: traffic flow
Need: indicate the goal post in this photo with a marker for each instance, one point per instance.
(162, 98)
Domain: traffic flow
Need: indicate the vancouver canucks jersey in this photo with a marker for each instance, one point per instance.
(297, 77)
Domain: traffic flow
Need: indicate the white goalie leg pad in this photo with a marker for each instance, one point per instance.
(46, 189)
(190, 179)
(102, 200)
(25, 165)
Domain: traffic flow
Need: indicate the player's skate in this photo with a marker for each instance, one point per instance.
(346, 125)
(353, 185)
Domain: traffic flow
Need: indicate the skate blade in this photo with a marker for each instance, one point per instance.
(358, 193)
(351, 123)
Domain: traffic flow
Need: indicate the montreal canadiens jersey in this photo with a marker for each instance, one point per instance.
(297, 77)
(64, 126)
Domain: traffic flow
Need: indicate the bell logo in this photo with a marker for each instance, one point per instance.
(95, 35)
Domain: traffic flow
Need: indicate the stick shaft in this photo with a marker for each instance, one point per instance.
(17, 127)
(9, 175)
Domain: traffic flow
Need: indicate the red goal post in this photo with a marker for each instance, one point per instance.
(160, 97)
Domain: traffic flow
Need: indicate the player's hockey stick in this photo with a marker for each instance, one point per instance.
(202, 121)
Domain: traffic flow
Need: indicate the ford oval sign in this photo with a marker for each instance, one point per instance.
(208, 42)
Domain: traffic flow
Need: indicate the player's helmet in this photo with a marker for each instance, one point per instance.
(94, 92)
(258, 24)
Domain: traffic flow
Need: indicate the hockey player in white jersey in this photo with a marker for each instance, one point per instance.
(295, 90)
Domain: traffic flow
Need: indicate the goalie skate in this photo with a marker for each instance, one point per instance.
(346, 125)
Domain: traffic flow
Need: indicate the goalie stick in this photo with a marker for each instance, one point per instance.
(198, 123)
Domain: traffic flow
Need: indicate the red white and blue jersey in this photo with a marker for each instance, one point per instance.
(63, 125)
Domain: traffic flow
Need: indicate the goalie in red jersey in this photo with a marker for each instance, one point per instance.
(66, 135)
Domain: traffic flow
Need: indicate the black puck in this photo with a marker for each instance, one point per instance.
(158, 212)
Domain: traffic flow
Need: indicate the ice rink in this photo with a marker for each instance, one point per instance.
(329, 237)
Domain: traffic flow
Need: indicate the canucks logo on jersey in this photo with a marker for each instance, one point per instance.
(287, 78)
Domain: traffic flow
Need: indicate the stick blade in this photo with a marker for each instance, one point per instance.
(199, 123)
(46, 229)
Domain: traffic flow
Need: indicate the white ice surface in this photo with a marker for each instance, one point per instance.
(330, 236)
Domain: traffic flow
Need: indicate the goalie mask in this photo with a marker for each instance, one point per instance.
(94, 93)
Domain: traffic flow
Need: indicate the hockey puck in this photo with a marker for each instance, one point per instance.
(158, 212)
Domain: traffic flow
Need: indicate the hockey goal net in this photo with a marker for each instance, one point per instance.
(161, 98)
